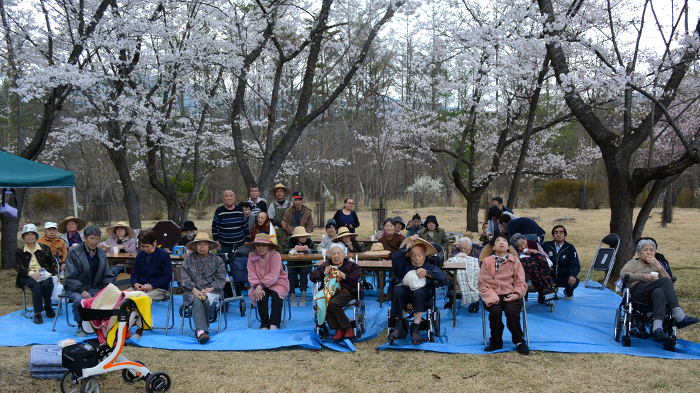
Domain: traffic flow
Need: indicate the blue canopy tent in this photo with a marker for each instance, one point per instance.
(18, 172)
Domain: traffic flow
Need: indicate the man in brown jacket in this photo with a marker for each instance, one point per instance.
(297, 215)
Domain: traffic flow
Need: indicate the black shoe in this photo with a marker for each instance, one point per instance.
(493, 347)
(660, 336)
(415, 334)
(396, 334)
(50, 313)
(687, 321)
(37, 319)
(540, 298)
(523, 349)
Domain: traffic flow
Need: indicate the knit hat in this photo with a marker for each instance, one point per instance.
(432, 219)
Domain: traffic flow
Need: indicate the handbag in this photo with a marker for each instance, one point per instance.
(5, 208)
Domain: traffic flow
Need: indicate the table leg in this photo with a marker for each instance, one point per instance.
(380, 284)
(454, 299)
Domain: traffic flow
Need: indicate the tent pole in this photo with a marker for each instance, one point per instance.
(75, 204)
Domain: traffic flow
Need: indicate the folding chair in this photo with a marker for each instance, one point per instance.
(170, 315)
(523, 322)
(604, 260)
(29, 314)
(286, 307)
(63, 299)
(187, 313)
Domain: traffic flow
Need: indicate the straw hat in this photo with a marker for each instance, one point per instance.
(201, 237)
(299, 232)
(343, 232)
(377, 249)
(123, 224)
(263, 238)
(287, 191)
(429, 249)
(62, 225)
(487, 251)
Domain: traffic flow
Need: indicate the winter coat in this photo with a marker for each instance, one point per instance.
(43, 255)
(510, 278)
(78, 270)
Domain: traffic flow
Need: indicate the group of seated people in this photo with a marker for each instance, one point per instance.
(496, 274)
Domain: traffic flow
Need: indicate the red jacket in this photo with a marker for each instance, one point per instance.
(510, 278)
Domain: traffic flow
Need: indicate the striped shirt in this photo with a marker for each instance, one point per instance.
(229, 227)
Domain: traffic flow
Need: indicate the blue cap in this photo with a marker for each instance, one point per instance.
(298, 195)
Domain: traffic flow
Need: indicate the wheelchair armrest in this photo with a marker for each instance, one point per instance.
(625, 280)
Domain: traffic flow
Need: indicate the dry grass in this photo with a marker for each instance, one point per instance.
(391, 371)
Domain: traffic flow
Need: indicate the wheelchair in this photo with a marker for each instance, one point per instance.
(633, 318)
(357, 322)
(430, 322)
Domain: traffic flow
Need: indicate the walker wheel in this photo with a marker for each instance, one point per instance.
(69, 384)
(132, 376)
(90, 385)
(551, 307)
(241, 306)
(158, 382)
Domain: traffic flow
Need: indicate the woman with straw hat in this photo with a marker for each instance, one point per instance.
(71, 230)
(35, 265)
(268, 280)
(347, 238)
(121, 236)
(299, 242)
(203, 279)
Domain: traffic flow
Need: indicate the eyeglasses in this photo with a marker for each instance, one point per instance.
(351, 203)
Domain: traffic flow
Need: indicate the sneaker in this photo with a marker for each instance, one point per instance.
(339, 334)
(415, 334)
(80, 332)
(37, 319)
(493, 347)
(660, 336)
(687, 321)
(49, 312)
(302, 301)
(204, 337)
(523, 349)
(294, 300)
(349, 333)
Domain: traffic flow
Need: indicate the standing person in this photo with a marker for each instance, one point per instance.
(35, 265)
(564, 257)
(229, 227)
(57, 246)
(391, 241)
(346, 217)
(72, 231)
(203, 279)
(263, 225)
(434, 234)
(331, 233)
(268, 280)
(87, 271)
(277, 209)
(189, 228)
(502, 287)
(153, 269)
(248, 207)
(498, 202)
(298, 215)
(259, 204)
(522, 225)
(414, 225)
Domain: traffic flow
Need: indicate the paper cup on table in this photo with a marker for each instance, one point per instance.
(323, 253)
(371, 238)
(115, 250)
(655, 274)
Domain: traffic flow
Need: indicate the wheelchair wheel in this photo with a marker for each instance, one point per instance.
(130, 376)
(90, 385)
(362, 323)
(241, 306)
(69, 384)
(431, 336)
(618, 325)
(626, 341)
(474, 307)
(158, 382)
(436, 323)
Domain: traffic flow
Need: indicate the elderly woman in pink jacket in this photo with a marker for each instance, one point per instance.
(268, 280)
(502, 287)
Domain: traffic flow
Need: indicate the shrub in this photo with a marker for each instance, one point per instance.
(425, 188)
(567, 193)
(687, 198)
(49, 205)
(157, 215)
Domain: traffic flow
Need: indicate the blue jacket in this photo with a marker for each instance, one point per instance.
(524, 226)
(402, 265)
(155, 269)
(565, 263)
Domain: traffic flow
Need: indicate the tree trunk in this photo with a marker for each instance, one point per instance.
(10, 229)
(473, 202)
(131, 197)
(622, 201)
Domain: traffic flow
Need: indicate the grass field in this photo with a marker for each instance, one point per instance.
(411, 371)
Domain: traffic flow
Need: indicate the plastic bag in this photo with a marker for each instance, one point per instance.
(57, 289)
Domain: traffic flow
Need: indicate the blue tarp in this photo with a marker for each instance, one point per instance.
(584, 325)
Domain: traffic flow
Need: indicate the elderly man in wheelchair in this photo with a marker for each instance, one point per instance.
(418, 280)
(648, 283)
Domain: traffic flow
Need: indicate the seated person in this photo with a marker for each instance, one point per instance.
(153, 269)
(35, 265)
(434, 234)
(347, 238)
(121, 236)
(414, 225)
(57, 246)
(263, 225)
(649, 283)
(331, 233)
(565, 263)
(298, 271)
(348, 275)
(483, 236)
(268, 280)
(535, 264)
(660, 257)
(71, 230)
(464, 246)
(391, 241)
(399, 225)
(502, 287)
(189, 228)
(203, 278)
(418, 250)
(87, 271)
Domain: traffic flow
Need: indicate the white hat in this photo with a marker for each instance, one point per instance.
(49, 224)
(412, 280)
(29, 228)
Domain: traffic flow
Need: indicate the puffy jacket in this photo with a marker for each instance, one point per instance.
(510, 278)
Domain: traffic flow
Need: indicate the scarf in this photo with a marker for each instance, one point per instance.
(498, 262)
(330, 285)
